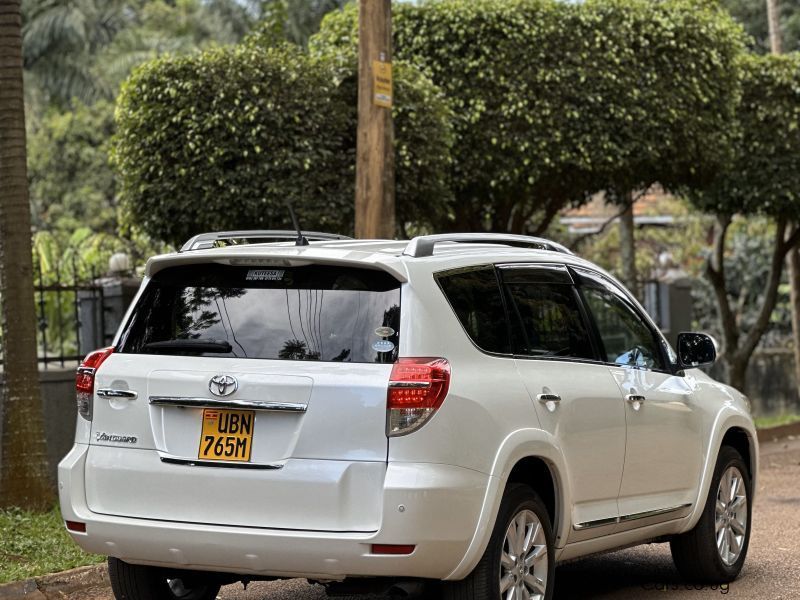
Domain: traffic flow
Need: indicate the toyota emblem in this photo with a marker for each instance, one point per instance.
(223, 385)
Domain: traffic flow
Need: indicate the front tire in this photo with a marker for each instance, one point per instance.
(519, 562)
(714, 551)
(138, 582)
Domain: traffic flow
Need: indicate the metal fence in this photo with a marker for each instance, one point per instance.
(70, 307)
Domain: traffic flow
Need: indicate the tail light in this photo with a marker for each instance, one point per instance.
(84, 380)
(417, 388)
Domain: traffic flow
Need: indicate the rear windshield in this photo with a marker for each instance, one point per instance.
(314, 312)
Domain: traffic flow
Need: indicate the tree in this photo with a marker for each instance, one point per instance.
(60, 41)
(220, 140)
(556, 100)
(23, 458)
(764, 179)
(71, 183)
(753, 15)
(84, 49)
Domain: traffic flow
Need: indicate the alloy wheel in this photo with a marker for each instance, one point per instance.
(731, 515)
(524, 562)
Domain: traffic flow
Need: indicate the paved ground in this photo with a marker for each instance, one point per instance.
(772, 569)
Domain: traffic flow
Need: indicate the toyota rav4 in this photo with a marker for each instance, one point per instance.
(464, 411)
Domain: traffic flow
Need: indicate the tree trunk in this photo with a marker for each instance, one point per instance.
(793, 265)
(738, 347)
(737, 373)
(627, 246)
(793, 258)
(23, 458)
(773, 21)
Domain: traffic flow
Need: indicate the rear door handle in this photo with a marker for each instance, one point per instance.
(548, 398)
(635, 398)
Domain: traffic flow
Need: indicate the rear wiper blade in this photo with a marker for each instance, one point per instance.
(192, 345)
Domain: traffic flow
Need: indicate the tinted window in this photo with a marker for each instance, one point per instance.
(298, 313)
(550, 321)
(626, 338)
(476, 300)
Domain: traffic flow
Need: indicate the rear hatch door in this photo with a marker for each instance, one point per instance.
(259, 398)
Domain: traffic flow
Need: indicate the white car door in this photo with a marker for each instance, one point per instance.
(575, 396)
(664, 446)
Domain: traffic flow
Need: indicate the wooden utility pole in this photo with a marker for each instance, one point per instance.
(375, 209)
(773, 20)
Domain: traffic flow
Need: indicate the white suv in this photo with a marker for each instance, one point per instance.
(470, 409)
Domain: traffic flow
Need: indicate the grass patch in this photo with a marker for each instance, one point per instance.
(33, 544)
(763, 422)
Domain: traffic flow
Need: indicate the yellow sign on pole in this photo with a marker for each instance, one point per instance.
(382, 83)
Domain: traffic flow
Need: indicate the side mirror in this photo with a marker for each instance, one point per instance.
(696, 350)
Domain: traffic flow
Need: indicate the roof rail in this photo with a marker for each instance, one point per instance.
(204, 241)
(423, 245)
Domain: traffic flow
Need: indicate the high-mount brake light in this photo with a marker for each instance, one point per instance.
(417, 388)
(84, 380)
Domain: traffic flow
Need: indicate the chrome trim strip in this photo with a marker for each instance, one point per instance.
(631, 517)
(410, 385)
(652, 513)
(188, 402)
(86, 370)
(219, 464)
(109, 393)
(597, 523)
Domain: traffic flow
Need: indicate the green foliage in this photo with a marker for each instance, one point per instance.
(753, 15)
(34, 544)
(60, 42)
(73, 193)
(220, 140)
(747, 267)
(764, 178)
(776, 421)
(554, 100)
(71, 182)
(84, 49)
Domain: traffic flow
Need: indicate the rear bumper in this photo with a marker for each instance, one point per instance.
(434, 507)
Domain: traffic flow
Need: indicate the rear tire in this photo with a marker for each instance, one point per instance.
(522, 522)
(138, 582)
(714, 551)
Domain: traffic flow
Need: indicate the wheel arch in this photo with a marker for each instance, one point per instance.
(739, 439)
(538, 473)
(731, 428)
(530, 457)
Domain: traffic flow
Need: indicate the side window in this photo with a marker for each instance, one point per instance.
(476, 300)
(627, 339)
(547, 318)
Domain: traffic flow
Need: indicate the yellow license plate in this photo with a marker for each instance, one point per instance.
(227, 434)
